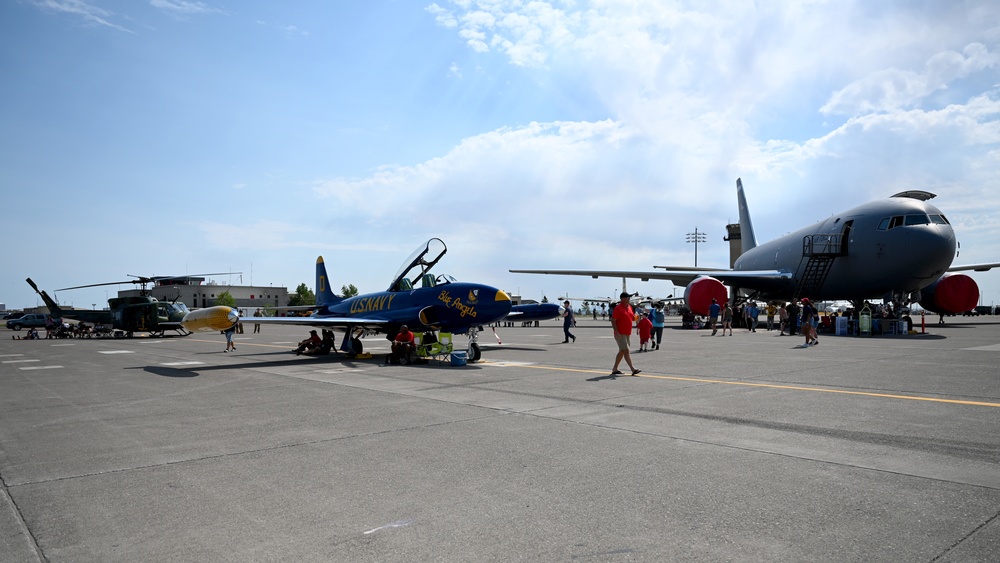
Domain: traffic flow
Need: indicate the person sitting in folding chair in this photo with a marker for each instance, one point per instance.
(402, 346)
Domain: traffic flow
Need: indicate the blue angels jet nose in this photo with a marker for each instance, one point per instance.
(496, 309)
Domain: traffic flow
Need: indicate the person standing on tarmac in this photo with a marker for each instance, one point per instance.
(568, 321)
(713, 316)
(621, 322)
(658, 318)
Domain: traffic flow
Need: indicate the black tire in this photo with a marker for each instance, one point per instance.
(359, 348)
(475, 354)
(16, 326)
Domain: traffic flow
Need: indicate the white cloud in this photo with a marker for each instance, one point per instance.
(184, 7)
(90, 12)
(894, 88)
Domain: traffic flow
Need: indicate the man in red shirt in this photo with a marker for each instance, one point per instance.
(402, 345)
(621, 320)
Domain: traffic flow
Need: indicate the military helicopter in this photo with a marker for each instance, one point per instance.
(129, 315)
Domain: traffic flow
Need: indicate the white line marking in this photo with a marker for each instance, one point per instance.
(40, 367)
(55, 345)
(18, 361)
(116, 352)
(396, 524)
(181, 363)
(990, 348)
(10, 355)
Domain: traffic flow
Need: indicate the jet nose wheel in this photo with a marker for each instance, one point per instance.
(474, 353)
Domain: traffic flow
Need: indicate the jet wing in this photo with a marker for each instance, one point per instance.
(317, 321)
(975, 267)
(680, 276)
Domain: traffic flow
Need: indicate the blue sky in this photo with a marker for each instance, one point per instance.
(166, 137)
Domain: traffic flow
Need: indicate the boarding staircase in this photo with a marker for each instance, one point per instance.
(820, 251)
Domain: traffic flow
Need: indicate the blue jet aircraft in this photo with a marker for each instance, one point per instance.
(534, 312)
(415, 298)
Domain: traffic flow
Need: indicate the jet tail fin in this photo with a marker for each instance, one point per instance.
(54, 307)
(747, 238)
(324, 295)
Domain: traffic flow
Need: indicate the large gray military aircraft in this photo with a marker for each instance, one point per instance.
(901, 247)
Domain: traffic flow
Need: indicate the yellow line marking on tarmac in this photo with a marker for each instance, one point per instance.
(783, 387)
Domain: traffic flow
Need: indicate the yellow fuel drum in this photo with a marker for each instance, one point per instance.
(211, 319)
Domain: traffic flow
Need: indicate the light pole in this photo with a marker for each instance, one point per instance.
(695, 237)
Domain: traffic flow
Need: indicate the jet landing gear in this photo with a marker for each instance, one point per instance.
(351, 343)
(474, 354)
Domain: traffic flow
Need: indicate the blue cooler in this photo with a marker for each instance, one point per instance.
(458, 358)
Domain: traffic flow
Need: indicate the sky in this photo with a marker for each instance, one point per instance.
(173, 137)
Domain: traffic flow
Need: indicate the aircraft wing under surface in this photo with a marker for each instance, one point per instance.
(317, 321)
(975, 267)
(681, 276)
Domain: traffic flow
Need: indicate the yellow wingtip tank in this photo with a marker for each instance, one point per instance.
(212, 319)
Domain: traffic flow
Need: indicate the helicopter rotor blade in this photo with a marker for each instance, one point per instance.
(145, 280)
(98, 285)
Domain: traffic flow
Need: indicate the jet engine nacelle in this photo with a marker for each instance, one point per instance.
(699, 294)
(952, 293)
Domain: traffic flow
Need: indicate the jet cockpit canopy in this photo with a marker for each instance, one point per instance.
(418, 265)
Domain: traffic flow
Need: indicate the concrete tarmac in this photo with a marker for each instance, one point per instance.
(735, 448)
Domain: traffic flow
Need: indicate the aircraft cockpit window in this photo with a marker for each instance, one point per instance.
(883, 225)
(896, 221)
(920, 219)
(445, 278)
(939, 220)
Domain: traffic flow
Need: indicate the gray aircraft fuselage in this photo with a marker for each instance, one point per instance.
(899, 244)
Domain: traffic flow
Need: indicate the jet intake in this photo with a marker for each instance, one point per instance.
(429, 316)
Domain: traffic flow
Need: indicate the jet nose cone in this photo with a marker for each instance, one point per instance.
(927, 254)
(496, 308)
(937, 246)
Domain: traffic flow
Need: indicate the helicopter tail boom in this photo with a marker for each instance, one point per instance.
(54, 308)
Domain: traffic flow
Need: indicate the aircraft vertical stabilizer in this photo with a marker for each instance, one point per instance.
(746, 227)
(324, 295)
